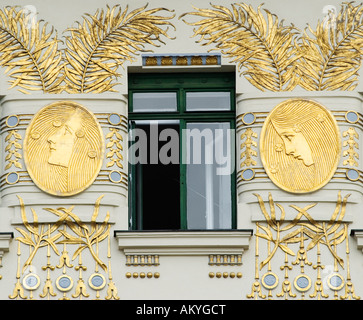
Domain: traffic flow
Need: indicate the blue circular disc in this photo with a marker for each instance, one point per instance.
(12, 121)
(97, 281)
(302, 283)
(114, 119)
(64, 282)
(248, 174)
(352, 174)
(12, 178)
(248, 118)
(115, 176)
(352, 116)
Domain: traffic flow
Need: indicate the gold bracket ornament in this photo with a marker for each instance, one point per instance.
(300, 145)
(63, 148)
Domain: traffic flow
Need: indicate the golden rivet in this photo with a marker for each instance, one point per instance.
(211, 274)
(232, 274)
(156, 274)
(128, 275)
(135, 275)
(225, 274)
(142, 275)
(218, 274)
(239, 275)
(149, 275)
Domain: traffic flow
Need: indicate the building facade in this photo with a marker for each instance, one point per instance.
(176, 150)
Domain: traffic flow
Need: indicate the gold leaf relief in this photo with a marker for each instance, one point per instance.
(94, 49)
(276, 57)
(30, 54)
(272, 56)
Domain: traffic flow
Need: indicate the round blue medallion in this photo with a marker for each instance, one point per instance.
(12, 178)
(97, 281)
(248, 174)
(114, 119)
(64, 283)
(352, 116)
(248, 118)
(335, 281)
(302, 283)
(115, 176)
(12, 121)
(31, 281)
(270, 280)
(352, 174)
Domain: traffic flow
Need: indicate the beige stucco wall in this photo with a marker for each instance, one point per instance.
(184, 271)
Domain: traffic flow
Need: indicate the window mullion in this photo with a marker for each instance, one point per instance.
(183, 182)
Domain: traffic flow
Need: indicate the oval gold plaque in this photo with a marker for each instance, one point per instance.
(300, 145)
(63, 148)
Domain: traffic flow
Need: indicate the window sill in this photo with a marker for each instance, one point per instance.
(5, 238)
(358, 235)
(186, 242)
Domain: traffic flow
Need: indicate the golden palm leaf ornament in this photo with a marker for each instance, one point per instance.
(257, 42)
(330, 55)
(104, 41)
(29, 52)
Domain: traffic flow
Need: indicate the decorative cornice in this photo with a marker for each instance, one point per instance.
(357, 234)
(183, 242)
(181, 60)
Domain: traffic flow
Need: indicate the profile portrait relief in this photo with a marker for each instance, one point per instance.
(63, 148)
(300, 145)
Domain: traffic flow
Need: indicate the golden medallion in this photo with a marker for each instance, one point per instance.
(63, 148)
(300, 145)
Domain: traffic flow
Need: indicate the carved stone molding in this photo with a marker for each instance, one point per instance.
(5, 238)
(183, 242)
(357, 234)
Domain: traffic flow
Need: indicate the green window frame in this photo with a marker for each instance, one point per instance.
(180, 83)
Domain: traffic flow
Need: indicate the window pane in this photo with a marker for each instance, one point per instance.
(209, 191)
(154, 101)
(208, 101)
(157, 173)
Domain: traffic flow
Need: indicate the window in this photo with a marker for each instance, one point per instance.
(181, 151)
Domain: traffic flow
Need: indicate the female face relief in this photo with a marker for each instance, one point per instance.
(62, 142)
